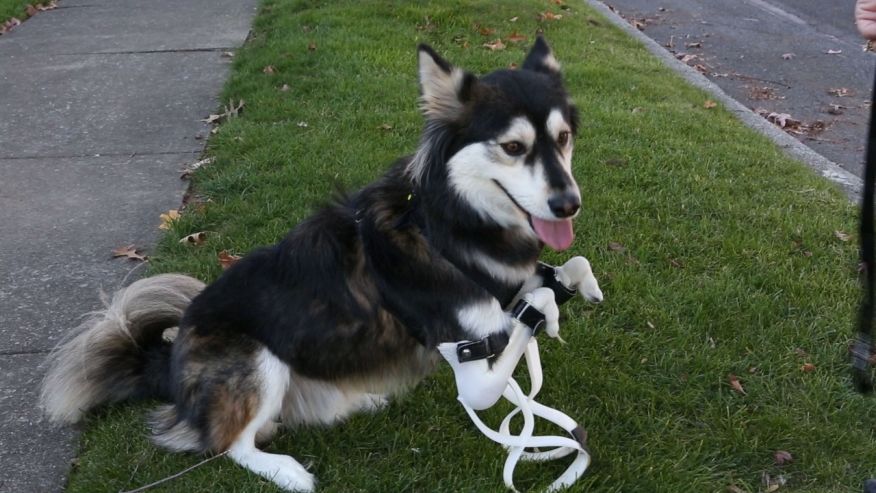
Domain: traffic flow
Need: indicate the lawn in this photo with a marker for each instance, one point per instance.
(718, 255)
(16, 8)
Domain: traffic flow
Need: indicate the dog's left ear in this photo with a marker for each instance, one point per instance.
(444, 89)
(541, 59)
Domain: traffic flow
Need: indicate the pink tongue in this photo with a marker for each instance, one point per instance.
(555, 234)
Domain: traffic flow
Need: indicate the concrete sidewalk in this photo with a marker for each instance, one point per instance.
(100, 108)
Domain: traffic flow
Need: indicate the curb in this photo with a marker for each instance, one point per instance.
(850, 184)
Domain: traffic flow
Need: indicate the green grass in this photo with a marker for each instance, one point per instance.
(731, 265)
(15, 8)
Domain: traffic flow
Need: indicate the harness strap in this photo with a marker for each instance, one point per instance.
(493, 345)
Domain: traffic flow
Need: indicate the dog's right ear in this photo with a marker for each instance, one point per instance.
(444, 89)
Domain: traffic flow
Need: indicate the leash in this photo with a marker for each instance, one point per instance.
(863, 346)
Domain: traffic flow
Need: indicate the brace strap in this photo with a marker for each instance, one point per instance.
(548, 274)
(493, 345)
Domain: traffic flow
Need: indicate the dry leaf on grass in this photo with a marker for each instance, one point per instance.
(486, 31)
(385, 127)
(9, 25)
(709, 104)
(549, 16)
(168, 218)
(188, 170)
(513, 19)
(616, 247)
(840, 92)
(495, 45)
(230, 110)
(226, 259)
(807, 368)
(196, 239)
(515, 37)
(129, 252)
(842, 236)
(311, 46)
(269, 70)
(735, 384)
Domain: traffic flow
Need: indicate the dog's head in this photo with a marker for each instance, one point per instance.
(502, 142)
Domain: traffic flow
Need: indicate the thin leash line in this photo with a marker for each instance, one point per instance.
(170, 478)
(863, 346)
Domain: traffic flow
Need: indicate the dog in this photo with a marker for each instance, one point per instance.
(349, 308)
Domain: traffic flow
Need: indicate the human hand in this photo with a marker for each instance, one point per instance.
(865, 18)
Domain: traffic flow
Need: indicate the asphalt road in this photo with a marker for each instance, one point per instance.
(800, 58)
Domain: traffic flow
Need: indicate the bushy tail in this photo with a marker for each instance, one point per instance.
(119, 352)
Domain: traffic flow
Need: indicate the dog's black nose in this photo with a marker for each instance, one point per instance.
(565, 204)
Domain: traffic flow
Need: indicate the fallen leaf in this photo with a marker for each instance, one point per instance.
(836, 109)
(311, 46)
(385, 126)
(284, 88)
(512, 65)
(495, 45)
(616, 247)
(196, 239)
(801, 352)
(698, 44)
(771, 488)
(226, 259)
(188, 170)
(833, 52)
(230, 110)
(513, 19)
(709, 104)
(788, 56)
(549, 16)
(168, 218)
(650, 325)
(807, 368)
(302, 124)
(735, 384)
(515, 37)
(735, 489)
(269, 70)
(783, 120)
(676, 263)
(685, 57)
(228, 54)
(129, 252)
(868, 46)
(701, 68)
(30, 10)
(486, 31)
(840, 92)
(42, 7)
(638, 24)
(841, 236)
(9, 24)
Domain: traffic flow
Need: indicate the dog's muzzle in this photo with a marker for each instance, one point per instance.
(480, 386)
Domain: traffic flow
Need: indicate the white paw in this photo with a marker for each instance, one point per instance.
(291, 476)
(543, 299)
(374, 402)
(577, 273)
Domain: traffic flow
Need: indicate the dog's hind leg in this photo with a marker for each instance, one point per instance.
(273, 376)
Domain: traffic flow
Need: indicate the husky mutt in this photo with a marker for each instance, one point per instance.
(350, 306)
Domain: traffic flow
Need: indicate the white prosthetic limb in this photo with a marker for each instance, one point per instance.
(576, 273)
(479, 386)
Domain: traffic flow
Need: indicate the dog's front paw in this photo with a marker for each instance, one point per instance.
(576, 273)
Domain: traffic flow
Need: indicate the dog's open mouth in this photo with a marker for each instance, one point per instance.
(555, 233)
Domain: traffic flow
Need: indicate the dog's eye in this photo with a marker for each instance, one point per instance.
(513, 148)
(563, 138)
